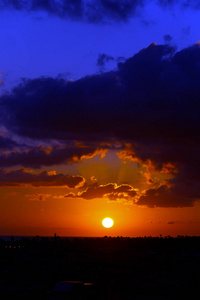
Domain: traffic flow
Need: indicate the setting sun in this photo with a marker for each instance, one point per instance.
(107, 222)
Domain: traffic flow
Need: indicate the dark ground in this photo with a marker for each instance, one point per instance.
(116, 268)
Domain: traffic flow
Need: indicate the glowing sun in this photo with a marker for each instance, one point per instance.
(107, 222)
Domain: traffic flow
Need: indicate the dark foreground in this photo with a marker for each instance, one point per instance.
(100, 268)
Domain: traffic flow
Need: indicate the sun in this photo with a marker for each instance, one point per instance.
(107, 222)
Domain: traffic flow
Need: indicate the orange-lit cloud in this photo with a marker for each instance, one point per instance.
(150, 170)
(101, 152)
(161, 196)
(169, 168)
(136, 154)
(111, 191)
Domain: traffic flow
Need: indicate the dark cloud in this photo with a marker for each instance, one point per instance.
(170, 222)
(103, 59)
(90, 11)
(22, 177)
(96, 11)
(6, 143)
(110, 191)
(164, 197)
(39, 156)
(167, 38)
(185, 4)
(166, 3)
(151, 102)
(105, 10)
(68, 8)
(121, 59)
(77, 111)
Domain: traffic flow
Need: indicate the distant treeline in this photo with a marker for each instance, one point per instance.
(107, 243)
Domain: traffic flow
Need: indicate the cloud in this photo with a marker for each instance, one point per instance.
(163, 197)
(151, 102)
(111, 191)
(23, 177)
(75, 114)
(6, 143)
(167, 38)
(193, 4)
(103, 59)
(96, 11)
(39, 156)
(121, 59)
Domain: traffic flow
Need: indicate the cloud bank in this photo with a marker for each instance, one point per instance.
(39, 156)
(111, 191)
(151, 103)
(22, 177)
(95, 11)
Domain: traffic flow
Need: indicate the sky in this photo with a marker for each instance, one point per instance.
(100, 117)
